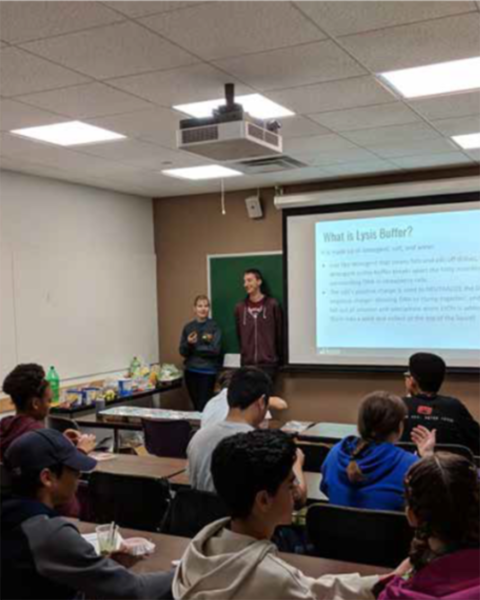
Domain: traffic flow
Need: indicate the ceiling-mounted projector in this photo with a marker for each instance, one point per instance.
(230, 133)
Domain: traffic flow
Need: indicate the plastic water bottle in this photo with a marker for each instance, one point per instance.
(134, 367)
(54, 381)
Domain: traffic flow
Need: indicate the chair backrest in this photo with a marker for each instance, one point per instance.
(167, 438)
(135, 502)
(61, 424)
(315, 454)
(190, 511)
(452, 448)
(5, 483)
(373, 537)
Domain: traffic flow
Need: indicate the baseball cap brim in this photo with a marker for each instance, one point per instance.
(80, 462)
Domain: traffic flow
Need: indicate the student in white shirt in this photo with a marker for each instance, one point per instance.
(217, 408)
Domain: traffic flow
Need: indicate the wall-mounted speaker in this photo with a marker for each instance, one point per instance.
(254, 207)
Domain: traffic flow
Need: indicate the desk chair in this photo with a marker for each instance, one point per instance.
(5, 483)
(372, 537)
(167, 438)
(452, 448)
(135, 502)
(190, 511)
(315, 455)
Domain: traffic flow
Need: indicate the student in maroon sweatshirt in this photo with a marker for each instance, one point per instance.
(442, 494)
(258, 321)
(31, 395)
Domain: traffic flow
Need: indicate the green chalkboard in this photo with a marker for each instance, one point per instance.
(226, 287)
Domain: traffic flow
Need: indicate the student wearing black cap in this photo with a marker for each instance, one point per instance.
(451, 418)
(43, 555)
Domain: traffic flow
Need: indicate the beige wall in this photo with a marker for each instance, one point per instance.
(187, 229)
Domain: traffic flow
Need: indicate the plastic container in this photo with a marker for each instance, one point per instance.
(125, 386)
(74, 398)
(137, 546)
(54, 381)
(89, 394)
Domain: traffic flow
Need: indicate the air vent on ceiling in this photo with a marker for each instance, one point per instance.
(270, 164)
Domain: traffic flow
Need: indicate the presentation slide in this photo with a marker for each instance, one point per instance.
(372, 287)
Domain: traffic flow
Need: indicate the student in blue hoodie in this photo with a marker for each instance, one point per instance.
(369, 472)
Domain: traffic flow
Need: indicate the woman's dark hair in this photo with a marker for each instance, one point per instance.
(264, 288)
(443, 492)
(246, 386)
(380, 415)
(28, 483)
(247, 463)
(201, 297)
(25, 383)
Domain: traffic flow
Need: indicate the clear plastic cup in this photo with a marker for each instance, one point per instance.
(108, 538)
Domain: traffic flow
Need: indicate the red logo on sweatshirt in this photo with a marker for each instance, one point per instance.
(424, 410)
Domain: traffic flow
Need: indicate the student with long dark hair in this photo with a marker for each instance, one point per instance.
(368, 471)
(442, 493)
(201, 347)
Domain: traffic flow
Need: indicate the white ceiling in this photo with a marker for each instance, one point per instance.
(122, 65)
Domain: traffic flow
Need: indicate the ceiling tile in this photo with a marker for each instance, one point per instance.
(143, 154)
(23, 21)
(394, 113)
(291, 67)
(413, 148)
(142, 9)
(157, 125)
(179, 86)
(87, 100)
(444, 107)
(22, 73)
(458, 125)
(296, 175)
(309, 145)
(392, 134)
(474, 154)
(223, 29)
(425, 43)
(15, 115)
(294, 127)
(350, 93)
(446, 159)
(112, 51)
(343, 18)
(358, 168)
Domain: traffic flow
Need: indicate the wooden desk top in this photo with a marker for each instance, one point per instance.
(142, 466)
(170, 548)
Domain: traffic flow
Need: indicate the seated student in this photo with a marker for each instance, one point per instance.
(248, 397)
(43, 555)
(451, 419)
(31, 395)
(368, 472)
(442, 505)
(217, 408)
(233, 558)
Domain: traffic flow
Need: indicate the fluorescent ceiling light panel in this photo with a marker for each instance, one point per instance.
(255, 105)
(71, 133)
(467, 141)
(442, 78)
(201, 173)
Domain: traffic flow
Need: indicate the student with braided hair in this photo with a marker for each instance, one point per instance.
(368, 471)
(443, 494)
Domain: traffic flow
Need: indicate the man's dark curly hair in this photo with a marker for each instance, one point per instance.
(25, 383)
(247, 463)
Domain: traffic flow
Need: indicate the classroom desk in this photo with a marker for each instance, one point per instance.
(142, 466)
(328, 433)
(94, 421)
(170, 548)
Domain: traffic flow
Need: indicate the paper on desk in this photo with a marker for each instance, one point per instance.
(102, 456)
(92, 539)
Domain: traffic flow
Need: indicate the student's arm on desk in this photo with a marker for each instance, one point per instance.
(62, 555)
(300, 493)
